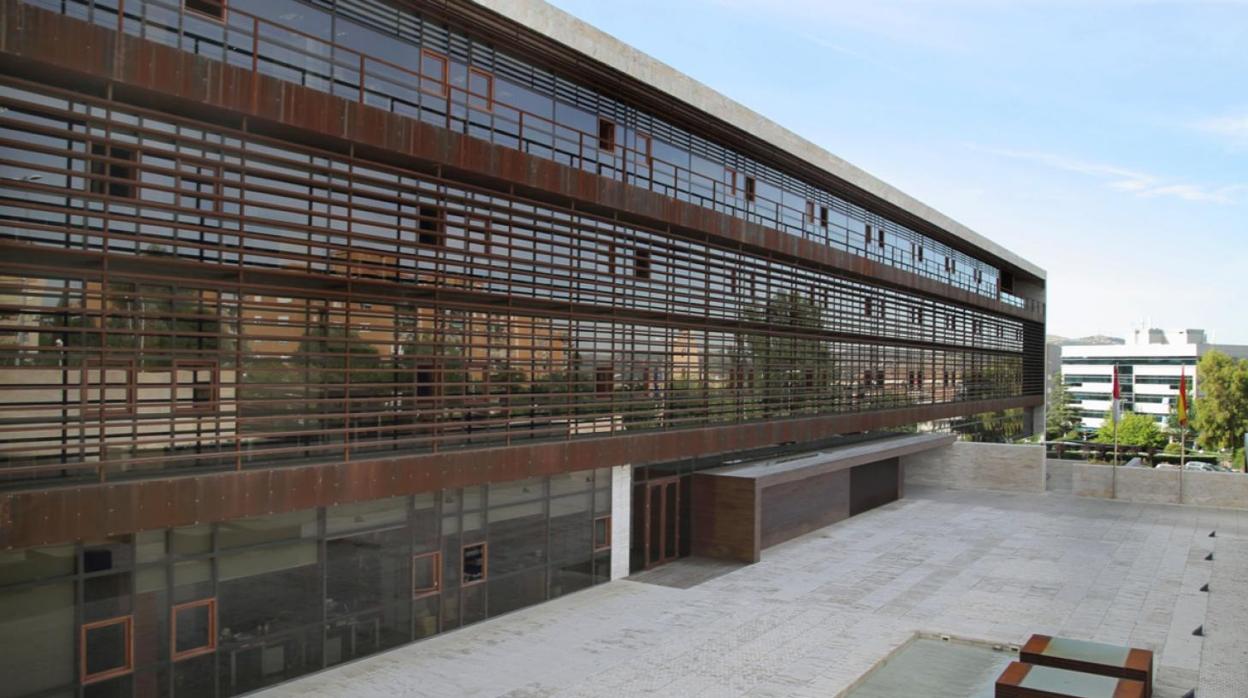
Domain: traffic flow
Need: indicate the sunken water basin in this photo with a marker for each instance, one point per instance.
(927, 667)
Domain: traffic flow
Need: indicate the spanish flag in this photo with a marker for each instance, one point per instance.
(1183, 396)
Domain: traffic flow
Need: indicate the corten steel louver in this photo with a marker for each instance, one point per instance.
(199, 294)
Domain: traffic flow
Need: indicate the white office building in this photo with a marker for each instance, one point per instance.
(1149, 365)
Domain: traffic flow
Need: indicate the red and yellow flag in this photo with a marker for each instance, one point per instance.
(1183, 396)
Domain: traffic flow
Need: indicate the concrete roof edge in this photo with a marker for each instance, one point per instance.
(585, 38)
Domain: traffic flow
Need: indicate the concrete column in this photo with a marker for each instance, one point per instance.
(1034, 420)
(621, 519)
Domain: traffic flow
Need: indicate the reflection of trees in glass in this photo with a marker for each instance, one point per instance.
(992, 427)
(158, 323)
(790, 373)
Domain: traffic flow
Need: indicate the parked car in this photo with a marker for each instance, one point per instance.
(1199, 465)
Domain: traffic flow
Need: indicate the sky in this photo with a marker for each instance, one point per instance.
(1104, 140)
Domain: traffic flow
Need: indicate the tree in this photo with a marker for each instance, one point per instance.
(790, 370)
(1060, 419)
(1222, 406)
(1133, 430)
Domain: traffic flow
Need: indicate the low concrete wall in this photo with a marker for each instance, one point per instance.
(1148, 485)
(966, 465)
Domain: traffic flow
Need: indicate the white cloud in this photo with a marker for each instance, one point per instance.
(1234, 128)
(1126, 180)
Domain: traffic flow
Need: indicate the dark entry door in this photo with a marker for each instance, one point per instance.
(662, 517)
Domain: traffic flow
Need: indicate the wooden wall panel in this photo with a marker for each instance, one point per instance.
(794, 508)
(725, 518)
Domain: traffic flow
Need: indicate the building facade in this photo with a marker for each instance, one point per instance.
(1149, 365)
(330, 325)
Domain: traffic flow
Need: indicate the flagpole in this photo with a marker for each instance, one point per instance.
(1113, 406)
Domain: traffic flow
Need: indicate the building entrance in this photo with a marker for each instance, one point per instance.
(661, 518)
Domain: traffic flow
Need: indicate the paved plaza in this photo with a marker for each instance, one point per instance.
(819, 611)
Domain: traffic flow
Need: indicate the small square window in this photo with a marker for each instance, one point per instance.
(426, 574)
(645, 150)
(211, 8)
(475, 564)
(433, 72)
(606, 135)
(432, 226)
(113, 171)
(480, 89)
(196, 385)
(602, 533)
(194, 630)
(641, 264)
(107, 649)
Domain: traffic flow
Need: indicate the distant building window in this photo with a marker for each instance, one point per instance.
(867, 237)
(950, 265)
(606, 135)
(426, 574)
(433, 72)
(951, 322)
(979, 276)
(641, 264)
(113, 171)
(879, 377)
(823, 216)
(107, 649)
(879, 236)
(432, 226)
(602, 533)
(918, 252)
(810, 212)
(976, 326)
(749, 188)
(916, 315)
(194, 628)
(868, 307)
(475, 565)
(730, 180)
(211, 8)
(480, 89)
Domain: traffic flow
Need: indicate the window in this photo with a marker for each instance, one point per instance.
(604, 379)
(645, 150)
(867, 236)
(107, 649)
(426, 574)
(730, 179)
(641, 264)
(823, 216)
(602, 533)
(109, 387)
(975, 326)
(916, 315)
(979, 276)
(480, 89)
(868, 307)
(433, 67)
(810, 212)
(606, 135)
(749, 188)
(474, 567)
(879, 236)
(917, 249)
(113, 171)
(951, 322)
(200, 190)
(879, 377)
(950, 265)
(195, 385)
(432, 226)
(211, 8)
(194, 630)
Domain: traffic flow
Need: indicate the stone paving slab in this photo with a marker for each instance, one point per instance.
(821, 610)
